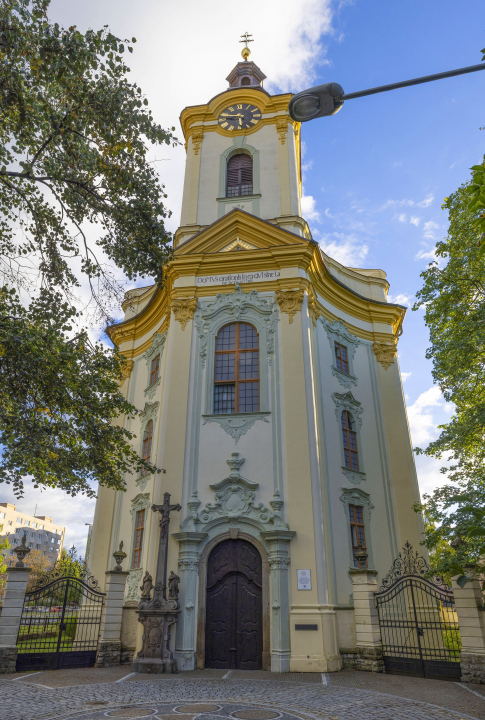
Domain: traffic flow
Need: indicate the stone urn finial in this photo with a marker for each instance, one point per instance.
(361, 556)
(21, 551)
(119, 556)
(235, 463)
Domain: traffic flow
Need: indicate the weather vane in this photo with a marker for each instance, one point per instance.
(246, 52)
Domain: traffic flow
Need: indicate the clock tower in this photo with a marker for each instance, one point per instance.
(244, 152)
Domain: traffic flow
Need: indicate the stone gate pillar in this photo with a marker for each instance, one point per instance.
(279, 559)
(367, 630)
(13, 603)
(188, 563)
(109, 647)
(471, 620)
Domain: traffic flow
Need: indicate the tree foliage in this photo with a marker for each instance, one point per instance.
(4, 546)
(78, 196)
(476, 196)
(453, 296)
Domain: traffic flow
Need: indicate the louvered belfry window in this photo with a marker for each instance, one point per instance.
(239, 175)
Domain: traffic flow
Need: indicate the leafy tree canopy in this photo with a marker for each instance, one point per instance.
(476, 196)
(78, 196)
(453, 296)
(4, 546)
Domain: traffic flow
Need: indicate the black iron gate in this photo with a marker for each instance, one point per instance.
(60, 624)
(419, 626)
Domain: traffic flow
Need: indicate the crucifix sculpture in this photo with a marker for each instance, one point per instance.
(164, 511)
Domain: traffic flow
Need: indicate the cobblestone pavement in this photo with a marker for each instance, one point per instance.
(349, 695)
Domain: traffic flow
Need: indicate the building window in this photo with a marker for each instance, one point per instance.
(155, 370)
(32, 534)
(34, 525)
(19, 520)
(239, 175)
(9, 522)
(341, 358)
(357, 530)
(139, 527)
(2, 514)
(236, 377)
(147, 445)
(27, 522)
(351, 454)
(14, 541)
(37, 547)
(31, 545)
(41, 527)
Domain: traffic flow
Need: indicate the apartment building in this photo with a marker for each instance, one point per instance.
(42, 534)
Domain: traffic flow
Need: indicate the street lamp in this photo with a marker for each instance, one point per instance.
(324, 100)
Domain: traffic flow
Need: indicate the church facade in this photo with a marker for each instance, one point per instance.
(271, 396)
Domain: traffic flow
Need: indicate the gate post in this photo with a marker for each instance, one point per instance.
(471, 620)
(109, 646)
(367, 630)
(13, 605)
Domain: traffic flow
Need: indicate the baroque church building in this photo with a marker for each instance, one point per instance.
(270, 390)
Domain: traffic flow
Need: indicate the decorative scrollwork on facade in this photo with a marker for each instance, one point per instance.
(184, 309)
(313, 309)
(346, 401)
(282, 129)
(290, 301)
(338, 332)
(236, 426)
(197, 140)
(385, 353)
(126, 369)
(148, 413)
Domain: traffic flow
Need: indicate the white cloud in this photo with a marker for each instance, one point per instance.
(414, 220)
(405, 376)
(429, 230)
(308, 209)
(346, 249)
(421, 420)
(427, 201)
(399, 299)
(402, 217)
(426, 255)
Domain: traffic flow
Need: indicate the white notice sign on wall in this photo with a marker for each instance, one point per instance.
(250, 277)
(304, 579)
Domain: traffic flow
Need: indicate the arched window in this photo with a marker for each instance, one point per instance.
(350, 442)
(357, 530)
(236, 377)
(341, 358)
(245, 81)
(147, 444)
(239, 175)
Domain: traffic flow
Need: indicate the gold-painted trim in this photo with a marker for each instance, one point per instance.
(184, 309)
(290, 301)
(385, 353)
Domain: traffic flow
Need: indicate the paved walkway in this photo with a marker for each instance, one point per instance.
(93, 694)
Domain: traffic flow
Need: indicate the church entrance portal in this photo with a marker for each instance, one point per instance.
(234, 615)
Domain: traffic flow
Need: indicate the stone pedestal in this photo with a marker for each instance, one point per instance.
(368, 635)
(471, 620)
(13, 603)
(109, 647)
(157, 616)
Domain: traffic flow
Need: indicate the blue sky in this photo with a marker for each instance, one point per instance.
(375, 173)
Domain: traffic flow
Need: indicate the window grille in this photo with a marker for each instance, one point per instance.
(155, 370)
(139, 528)
(351, 453)
(236, 376)
(239, 175)
(341, 358)
(357, 530)
(147, 445)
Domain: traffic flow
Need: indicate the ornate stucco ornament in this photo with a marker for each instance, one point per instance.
(290, 301)
(313, 309)
(346, 401)
(338, 332)
(156, 348)
(148, 413)
(236, 425)
(131, 591)
(197, 140)
(126, 370)
(282, 129)
(237, 306)
(235, 501)
(385, 353)
(184, 309)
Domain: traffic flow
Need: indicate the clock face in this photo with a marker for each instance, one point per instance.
(239, 117)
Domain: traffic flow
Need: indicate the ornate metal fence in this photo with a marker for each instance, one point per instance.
(419, 625)
(60, 623)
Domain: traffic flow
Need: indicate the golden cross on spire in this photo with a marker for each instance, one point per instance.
(246, 52)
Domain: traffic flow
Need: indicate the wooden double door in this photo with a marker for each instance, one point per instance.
(234, 609)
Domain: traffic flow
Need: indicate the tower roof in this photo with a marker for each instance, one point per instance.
(246, 74)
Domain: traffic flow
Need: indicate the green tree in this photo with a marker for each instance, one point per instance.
(75, 181)
(453, 296)
(476, 196)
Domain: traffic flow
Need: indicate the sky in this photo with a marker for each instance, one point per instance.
(375, 174)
